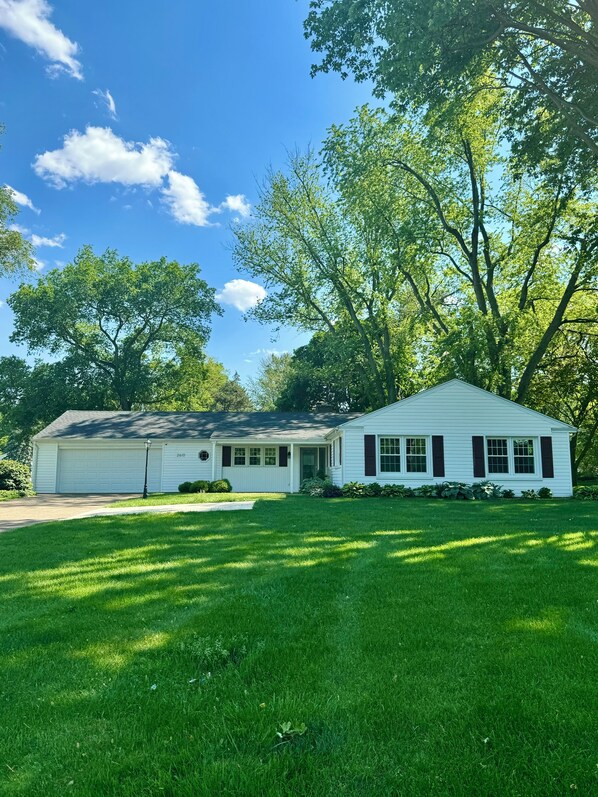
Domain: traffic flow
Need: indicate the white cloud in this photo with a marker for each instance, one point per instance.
(238, 204)
(20, 198)
(99, 156)
(242, 294)
(1, 303)
(108, 99)
(19, 228)
(57, 240)
(186, 202)
(29, 21)
(38, 265)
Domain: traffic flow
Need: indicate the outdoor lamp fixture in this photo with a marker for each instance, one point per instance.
(148, 445)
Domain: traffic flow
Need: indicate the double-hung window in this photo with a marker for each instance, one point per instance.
(255, 456)
(239, 456)
(270, 455)
(403, 454)
(511, 455)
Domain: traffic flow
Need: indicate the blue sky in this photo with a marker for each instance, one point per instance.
(206, 95)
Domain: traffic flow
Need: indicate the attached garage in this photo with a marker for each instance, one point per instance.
(108, 470)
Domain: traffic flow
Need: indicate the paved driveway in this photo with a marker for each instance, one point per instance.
(40, 508)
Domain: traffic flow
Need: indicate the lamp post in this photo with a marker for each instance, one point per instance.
(148, 445)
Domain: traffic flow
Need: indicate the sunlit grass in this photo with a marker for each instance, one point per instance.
(430, 648)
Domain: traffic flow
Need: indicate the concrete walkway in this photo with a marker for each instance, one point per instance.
(158, 509)
(42, 508)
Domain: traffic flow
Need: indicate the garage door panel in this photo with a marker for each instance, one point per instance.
(113, 470)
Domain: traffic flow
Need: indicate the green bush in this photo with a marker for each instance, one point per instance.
(508, 494)
(372, 490)
(544, 492)
(354, 490)
(314, 487)
(455, 491)
(586, 492)
(219, 486)
(531, 495)
(185, 487)
(396, 491)
(331, 490)
(200, 486)
(15, 476)
(426, 491)
(485, 490)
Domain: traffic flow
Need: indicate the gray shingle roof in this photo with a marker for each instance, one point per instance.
(121, 425)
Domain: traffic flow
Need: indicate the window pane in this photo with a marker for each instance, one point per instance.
(523, 456)
(415, 448)
(255, 456)
(269, 456)
(498, 455)
(390, 454)
(239, 456)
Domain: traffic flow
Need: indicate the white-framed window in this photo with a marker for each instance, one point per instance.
(511, 456)
(239, 456)
(270, 455)
(404, 454)
(255, 456)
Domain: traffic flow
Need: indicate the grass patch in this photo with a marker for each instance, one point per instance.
(156, 499)
(303, 648)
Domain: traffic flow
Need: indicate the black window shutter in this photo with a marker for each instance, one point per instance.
(283, 453)
(547, 460)
(479, 466)
(438, 454)
(226, 452)
(340, 451)
(369, 452)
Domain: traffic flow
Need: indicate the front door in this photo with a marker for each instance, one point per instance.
(308, 462)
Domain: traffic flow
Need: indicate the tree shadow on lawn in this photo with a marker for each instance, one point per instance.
(341, 609)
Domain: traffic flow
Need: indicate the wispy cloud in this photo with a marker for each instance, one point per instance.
(38, 265)
(241, 294)
(57, 240)
(29, 21)
(108, 101)
(22, 199)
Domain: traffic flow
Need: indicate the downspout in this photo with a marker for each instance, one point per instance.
(213, 461)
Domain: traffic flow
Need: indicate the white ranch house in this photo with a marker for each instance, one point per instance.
(452, 432)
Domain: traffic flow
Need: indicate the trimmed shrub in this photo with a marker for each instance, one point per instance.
(313, 487)
(372, 490)
(544, 492)
(586, 492)
(455, 491)
(354, 490)
(200, 486)
(185, 487)
(219, 486)
(508, 494)
(426, 491)
(331, 490)
(396, 491)
(14, 475)
(486, 489)
(531, 495)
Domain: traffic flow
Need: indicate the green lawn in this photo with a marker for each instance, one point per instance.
(196, 498)
(430, 648)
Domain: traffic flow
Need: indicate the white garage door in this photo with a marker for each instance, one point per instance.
(108, 470)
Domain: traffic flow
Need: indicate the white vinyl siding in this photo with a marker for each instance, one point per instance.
(458, 412)
(44, 470)
(181, 462)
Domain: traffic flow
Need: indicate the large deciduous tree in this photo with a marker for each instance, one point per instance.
(542, 55)
(134, 324)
